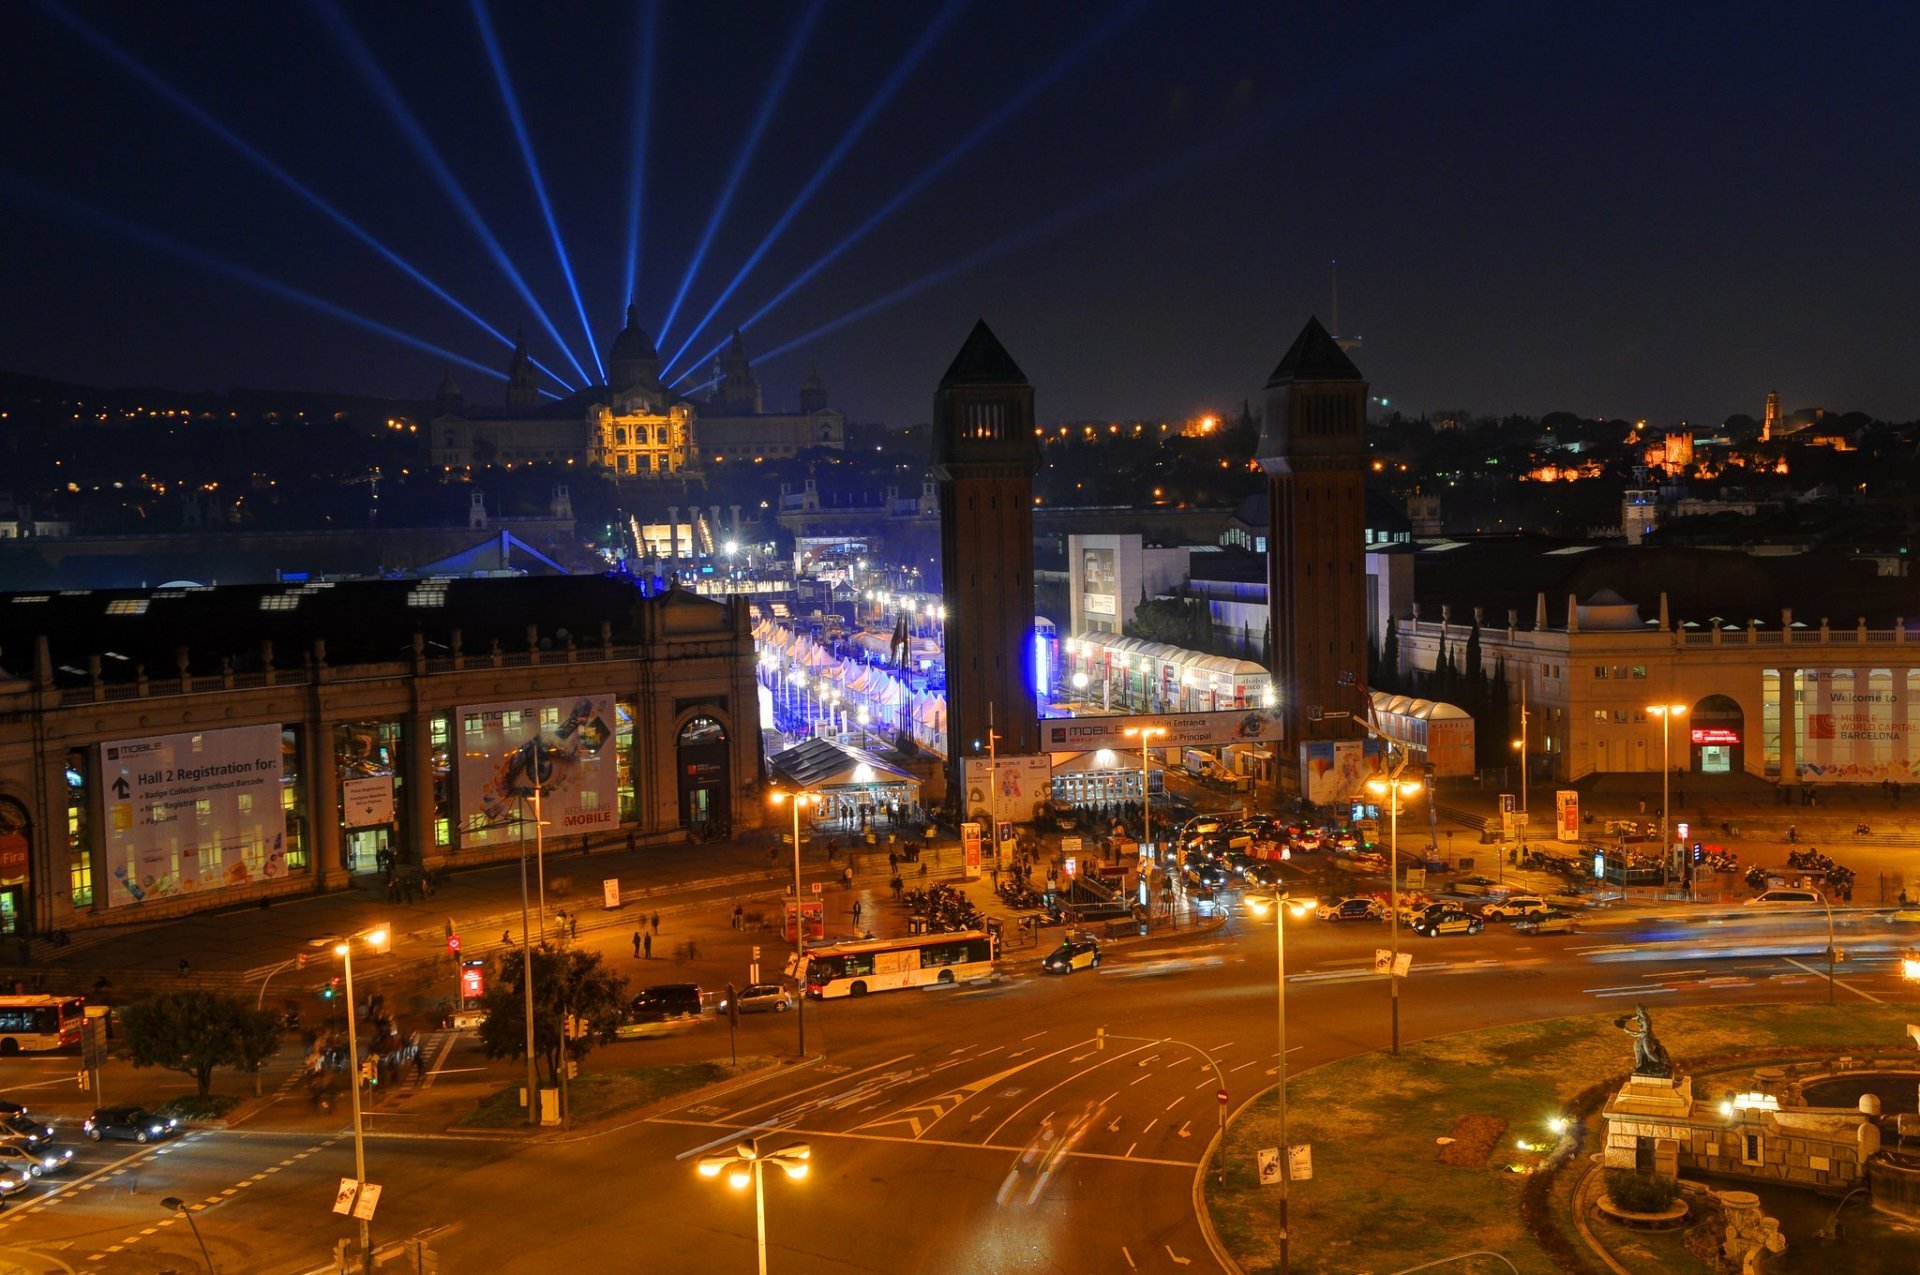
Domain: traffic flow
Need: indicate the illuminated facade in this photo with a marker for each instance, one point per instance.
(1801, 703)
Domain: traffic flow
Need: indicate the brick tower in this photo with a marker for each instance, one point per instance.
(1313, 448)
(985, 456)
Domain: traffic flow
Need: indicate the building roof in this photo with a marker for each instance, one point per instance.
(1314, 356)
(983, 361)
(821, 763)
(361, 621)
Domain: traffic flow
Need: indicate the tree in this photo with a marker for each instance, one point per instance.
(1390, 658)
(569, 982)
(196, 1031)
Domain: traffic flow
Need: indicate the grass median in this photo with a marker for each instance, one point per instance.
(602, 1095)
(1381, 1197)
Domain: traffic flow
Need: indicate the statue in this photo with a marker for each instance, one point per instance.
(1649, 1055)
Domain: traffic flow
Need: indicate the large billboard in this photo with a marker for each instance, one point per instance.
(1335, 771)
(1010, 787)
(567, 743)
(193, 812)
(1184, 730)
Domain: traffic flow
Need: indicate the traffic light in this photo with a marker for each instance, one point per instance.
(369, 1073)
(80, 1078)
(573, 1069)
(299, 960)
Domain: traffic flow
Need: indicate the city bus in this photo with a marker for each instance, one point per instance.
(37, 1023)
(885, 965)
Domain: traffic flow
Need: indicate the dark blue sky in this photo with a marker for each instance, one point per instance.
(1633, 210)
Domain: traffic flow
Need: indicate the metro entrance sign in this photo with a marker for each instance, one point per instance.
(1184, 730)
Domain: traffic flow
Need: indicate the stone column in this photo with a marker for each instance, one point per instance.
(1789, 729)
(417, 748)
(323, 799)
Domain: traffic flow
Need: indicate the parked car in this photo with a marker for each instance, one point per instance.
(33, 1161)
(1515, 905)
(1076, 952)
(133, 1124)
(1553, 921)
(1446, 920)
(760, 998)
(1358, 908)
(29, 1132)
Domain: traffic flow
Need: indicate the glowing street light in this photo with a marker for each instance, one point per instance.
(746, 1167)
(797, 800)
(343, 948)
(1393, 788)
(1147, 735)
(1280, 904)
(1666, 713)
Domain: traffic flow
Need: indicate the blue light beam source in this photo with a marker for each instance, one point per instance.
(69, 207)
(199, 115)
(410, 127)
(512, 103)
(891, 85)
(775, 89)
(1008, 110)
(642, 124)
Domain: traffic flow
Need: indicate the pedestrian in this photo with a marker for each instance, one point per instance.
(846, 876)
(186, 967)
(893, 861)
(419, 1066)
(739, 917)
(636, 945)
(693, 950)
(646, 945)
(573, 926)
(856, 913)
(656, 923)
(506, 938)
(629, 841)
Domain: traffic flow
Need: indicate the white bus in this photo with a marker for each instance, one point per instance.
(885, 965)
(41, 1022)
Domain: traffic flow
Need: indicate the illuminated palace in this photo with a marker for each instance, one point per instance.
(634, 426)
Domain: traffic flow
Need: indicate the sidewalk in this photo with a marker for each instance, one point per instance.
(234, 950)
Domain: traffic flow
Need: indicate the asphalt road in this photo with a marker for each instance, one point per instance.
(978, 1128)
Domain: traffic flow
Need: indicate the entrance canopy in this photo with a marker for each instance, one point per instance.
(821, 764)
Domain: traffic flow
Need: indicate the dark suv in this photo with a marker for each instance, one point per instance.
(133, 1124)
(665, 1001)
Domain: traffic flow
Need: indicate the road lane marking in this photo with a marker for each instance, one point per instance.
(1838, 981)
(1129, 1154)
(1147, 1130)
(998, 1147)
(1170, 1106)
(1242, 1067)
(830, 1080)
(1036, 1036)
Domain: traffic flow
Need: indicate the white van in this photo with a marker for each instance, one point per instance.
(1788, 898)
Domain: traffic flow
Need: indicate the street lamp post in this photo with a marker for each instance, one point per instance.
(1281, 904)
(179, 1206)
(1666, 713)
(1828, 904)
(1146, 734)
(797, 800)
(745, 1167)
(343, 948)
(1393, 788)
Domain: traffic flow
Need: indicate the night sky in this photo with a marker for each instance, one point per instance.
(1629, 210)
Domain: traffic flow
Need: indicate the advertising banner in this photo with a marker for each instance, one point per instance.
(568, 743)
(1184, 730)
(1566, 810)
(1334, 772)
(366, 802)
(192, 812)
(1008, 788)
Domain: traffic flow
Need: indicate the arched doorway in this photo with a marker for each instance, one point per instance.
(16, 859)
(1717, 736)
(705, 767)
